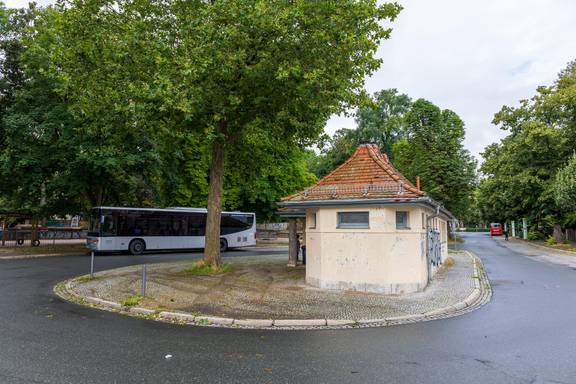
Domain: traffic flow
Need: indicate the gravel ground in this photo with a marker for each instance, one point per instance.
(263, 287)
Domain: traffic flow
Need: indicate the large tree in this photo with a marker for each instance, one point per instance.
(229, 69)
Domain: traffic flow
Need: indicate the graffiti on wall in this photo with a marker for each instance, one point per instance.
(434, 247)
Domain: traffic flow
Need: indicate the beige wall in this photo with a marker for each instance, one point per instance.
(378, 259)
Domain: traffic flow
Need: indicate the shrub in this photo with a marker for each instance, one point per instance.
(535, 235)
(551, 240)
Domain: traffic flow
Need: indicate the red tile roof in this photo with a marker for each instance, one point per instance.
(367, 174)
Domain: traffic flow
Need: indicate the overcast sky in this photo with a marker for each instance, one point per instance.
(470, 56)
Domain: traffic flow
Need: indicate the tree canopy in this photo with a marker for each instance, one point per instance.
(234, 72)
(527, 174)
(420, 139)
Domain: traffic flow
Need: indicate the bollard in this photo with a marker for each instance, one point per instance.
(91, 264)
(143, 287)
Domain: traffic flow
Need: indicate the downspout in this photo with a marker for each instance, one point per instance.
(435, 215)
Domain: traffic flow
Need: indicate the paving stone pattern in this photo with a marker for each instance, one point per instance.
(262, 287)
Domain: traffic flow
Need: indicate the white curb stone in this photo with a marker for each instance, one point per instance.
(105, 303)
(371, 321)
(253, 322)
(141, 311)
(177, 316)
(92, 300)
(473, 297)
(110, 304)
(335, 322)
(406, 317)
(299, 322)
(459, 306)
(436, 312)
(214, 320)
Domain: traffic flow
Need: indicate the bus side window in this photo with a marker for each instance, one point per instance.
(196, 224)
(108, 227)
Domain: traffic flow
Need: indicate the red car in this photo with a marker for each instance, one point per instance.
(495, 229)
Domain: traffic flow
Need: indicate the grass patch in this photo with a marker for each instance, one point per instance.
(85, 278)
(132, 301)
(202, 268)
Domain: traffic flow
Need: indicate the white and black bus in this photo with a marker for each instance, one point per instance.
(135, 230)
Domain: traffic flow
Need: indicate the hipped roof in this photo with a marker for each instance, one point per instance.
(367, 174)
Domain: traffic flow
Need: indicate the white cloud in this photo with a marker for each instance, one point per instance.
(470, 56)
(474, 56)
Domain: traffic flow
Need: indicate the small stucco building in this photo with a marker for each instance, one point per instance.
(370, 229)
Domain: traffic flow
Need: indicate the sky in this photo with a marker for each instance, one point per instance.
(471, 56)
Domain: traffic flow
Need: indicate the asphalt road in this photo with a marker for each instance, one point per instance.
(526, 334)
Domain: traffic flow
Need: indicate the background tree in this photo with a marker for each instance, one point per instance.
(565, 186)
(228, 69)
(380, 121)
(383, 122)
(433, 149)
(51, 161)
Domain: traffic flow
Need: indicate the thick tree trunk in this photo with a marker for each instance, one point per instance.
(292, 243)
(212, 247)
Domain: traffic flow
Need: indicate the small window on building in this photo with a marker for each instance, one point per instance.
(353, 220)
(402, 220)
(312, 218)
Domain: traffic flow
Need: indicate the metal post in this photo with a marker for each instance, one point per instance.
(143, 287)
(92, 264)
(513, 229)
(4, 228)
(524, 229)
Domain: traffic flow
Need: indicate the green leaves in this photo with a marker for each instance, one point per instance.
(419, 138)
(564, 186)
(526, 173)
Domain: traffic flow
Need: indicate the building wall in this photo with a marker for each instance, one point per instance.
(377, 259)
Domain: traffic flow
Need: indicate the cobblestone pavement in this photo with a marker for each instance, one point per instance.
(538, 253)
(263, 288)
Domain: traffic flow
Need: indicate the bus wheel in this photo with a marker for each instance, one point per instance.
(137, 246)
(223, 245)
(35, 243)
(20, 241)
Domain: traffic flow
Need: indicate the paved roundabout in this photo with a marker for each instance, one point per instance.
(261, 292)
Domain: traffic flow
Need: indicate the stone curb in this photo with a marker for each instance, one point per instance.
(176, 316)
(479, 296)
(256, 323)
(300, 323)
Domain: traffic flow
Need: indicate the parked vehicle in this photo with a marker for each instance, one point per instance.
(495, 229)
(139, 229)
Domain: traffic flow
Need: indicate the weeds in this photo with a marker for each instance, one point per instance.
(85, 278)
(132, 301)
